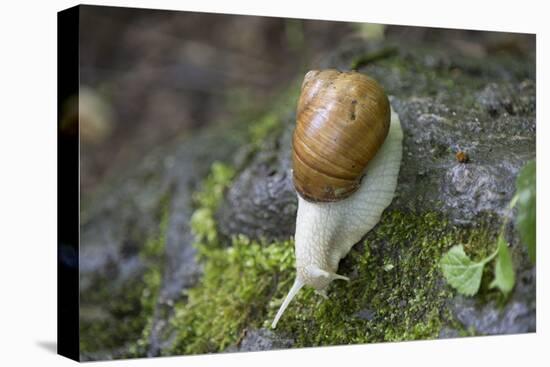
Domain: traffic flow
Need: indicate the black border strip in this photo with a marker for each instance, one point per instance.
(68, 183)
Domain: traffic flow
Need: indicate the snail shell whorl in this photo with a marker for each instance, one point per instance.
(341, 121)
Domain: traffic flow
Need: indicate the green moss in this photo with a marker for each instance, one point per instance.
(262, 124)
(261, 129)
(233, 294)
(203, 224)
(448, 83)
(214, 185)
(405, 301)
(396, 290)
(238, 281)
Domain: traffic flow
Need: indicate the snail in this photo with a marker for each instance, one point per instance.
(346, 153)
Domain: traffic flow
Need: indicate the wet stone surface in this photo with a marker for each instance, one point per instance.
(262, 202)
(261, 339)
(518, 315)
(447, 101)
(442, 112)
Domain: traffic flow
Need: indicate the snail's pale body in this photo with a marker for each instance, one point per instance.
(326, 231)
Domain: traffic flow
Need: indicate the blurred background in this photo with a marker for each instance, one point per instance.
(148, 76)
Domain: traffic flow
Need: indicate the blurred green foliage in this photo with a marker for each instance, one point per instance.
(526, 221)
(370, 31)
(505, 277)
(261, 129)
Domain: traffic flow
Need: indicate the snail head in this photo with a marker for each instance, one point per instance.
(312, 276)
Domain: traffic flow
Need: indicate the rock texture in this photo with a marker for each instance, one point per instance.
(449, 99)
(262, 339)
(448, 102)
(262, 201)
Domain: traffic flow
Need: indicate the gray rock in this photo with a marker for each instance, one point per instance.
(488, 320)
(517, 315)
(448, 333)
(262, 203)
(262, 339)
(505, 98)
(438, 121)
(447, 103)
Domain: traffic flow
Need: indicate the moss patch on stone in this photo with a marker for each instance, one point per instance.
(396, 290)
(237, 283)
(233, 294)
(421, 72)
(207, 200)
(263, 127)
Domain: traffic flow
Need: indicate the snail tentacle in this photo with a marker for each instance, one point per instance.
(298, 284)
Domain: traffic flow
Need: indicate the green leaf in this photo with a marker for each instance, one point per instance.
(504, 270)
(527, 211)
(462, 273)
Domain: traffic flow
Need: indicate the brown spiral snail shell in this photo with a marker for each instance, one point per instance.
(342, 120)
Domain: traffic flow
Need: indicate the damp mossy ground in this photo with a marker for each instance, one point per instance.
(232, 296)
(207, 200)
(152, 255)
(134, 305)
(430, 74)
(237, 283)
(97, 331)
(396, 290)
